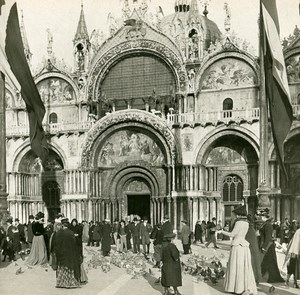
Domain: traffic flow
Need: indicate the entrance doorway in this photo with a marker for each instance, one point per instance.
(139, 205)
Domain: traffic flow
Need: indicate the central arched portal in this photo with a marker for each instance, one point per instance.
(137, 195)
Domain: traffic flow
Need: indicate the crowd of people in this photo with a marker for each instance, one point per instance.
(252, 256)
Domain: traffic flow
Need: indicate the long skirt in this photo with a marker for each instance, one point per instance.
(269, 267)
(65, 278)
(239, 274)
(38, 252)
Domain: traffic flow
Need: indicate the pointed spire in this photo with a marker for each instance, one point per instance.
(81, 32)
(27, 51)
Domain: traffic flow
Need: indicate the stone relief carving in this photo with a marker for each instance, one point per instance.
(119, 117)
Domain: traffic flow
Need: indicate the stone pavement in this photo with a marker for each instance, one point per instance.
(41, 280)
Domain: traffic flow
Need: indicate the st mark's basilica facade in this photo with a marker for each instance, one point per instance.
(160, 117)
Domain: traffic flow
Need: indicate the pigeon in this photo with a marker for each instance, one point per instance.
(272, 289)
(157, 281)
(29, 267)
(19, 271)
(220, 264)
(16, 264)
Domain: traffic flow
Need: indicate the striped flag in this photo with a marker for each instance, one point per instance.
(277, 89)
(14, 65)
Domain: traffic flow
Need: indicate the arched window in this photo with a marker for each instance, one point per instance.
(227, 107)
(53, 118)
(232, 189)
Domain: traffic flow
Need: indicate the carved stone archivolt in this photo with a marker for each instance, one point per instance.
(130, 47)
(129, 116)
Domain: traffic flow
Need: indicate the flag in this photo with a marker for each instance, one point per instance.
(14, 65)
(277, 88)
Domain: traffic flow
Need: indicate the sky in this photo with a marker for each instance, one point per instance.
(61, 17)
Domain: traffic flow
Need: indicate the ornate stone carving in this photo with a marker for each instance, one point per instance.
(125, 116)
(143, 44)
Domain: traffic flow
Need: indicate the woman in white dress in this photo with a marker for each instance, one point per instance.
(239, 276)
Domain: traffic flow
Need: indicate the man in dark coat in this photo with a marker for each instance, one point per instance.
(20, 228)
(157, 235)
(145, 230)
(166, 225)
(14, 239)
(198, 232)
(135, 232)
(211, 228)
(91, 234)
(171, 269)
(106, 234)
(29, 230)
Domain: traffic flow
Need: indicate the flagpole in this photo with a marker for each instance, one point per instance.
(264, 189)
(3, 192)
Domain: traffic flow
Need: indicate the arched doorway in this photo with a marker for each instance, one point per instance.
(51, 197)
(137, 198)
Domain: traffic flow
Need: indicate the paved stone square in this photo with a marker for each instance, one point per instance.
(40, 280)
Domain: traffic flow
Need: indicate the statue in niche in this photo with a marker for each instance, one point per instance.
(193, 45)
(191, 81)
(112, 24)
(92, 106)
(9, 100)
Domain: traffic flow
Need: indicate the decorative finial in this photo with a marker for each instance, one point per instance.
(227, 24)
(22, 16)
(81, 3)
(205, 5)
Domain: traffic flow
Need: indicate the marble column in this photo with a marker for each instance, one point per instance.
(191, 174)
(155, 219)
(162, 206)
(169, 200)
(175, 212)
(90, 210)
(195, 212)
(102, 209)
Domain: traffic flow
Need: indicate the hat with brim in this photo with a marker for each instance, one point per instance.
(241, 210)
(65, 220)
(184, 221)
(169, 236)
(9, 220)
(107, 219)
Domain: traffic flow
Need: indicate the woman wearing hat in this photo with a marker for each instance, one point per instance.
(38, 252)
(68, 273)
(269, 266)
(239, 274)
(171, 268)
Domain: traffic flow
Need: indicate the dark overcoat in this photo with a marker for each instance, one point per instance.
(198, 232)
(171, 269)
(269, 266)
(106, 231)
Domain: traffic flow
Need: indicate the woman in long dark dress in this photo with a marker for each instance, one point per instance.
(269, 266)
(38, 252)
(171, 269)
(68, 258)
(251, 238)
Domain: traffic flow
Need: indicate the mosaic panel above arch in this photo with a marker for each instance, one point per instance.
(130, 145)
(55, 90)
(228, 73)
(223, 155)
